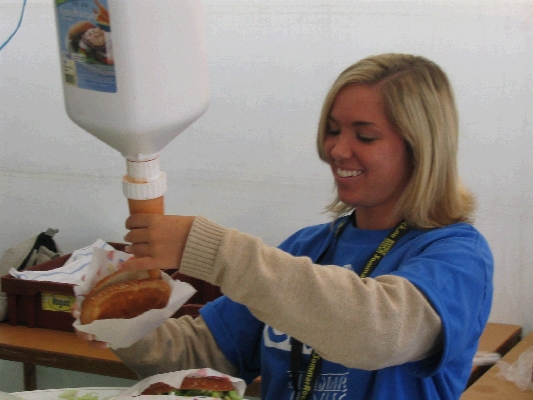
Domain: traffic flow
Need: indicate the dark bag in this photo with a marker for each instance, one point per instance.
(33, 251)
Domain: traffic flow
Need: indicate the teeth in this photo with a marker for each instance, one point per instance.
(345, 174)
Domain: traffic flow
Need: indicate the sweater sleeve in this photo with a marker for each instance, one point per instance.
(384, 321)
(183, 343)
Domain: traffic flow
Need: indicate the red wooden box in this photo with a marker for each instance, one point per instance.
(48, 304)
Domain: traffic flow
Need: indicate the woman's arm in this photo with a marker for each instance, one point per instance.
(183, 343)
(360, 323)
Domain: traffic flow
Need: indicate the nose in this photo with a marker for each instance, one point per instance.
(341, 148)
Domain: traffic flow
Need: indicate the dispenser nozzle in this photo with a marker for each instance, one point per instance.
(144, 185)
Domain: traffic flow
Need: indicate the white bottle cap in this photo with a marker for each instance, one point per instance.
(144, 180)
(143, 171)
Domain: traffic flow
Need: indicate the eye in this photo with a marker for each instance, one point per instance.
(332, 127)
(365, 138)
(333, 132)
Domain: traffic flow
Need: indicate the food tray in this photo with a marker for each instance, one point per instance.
(67, 394)
(101, 393)
(48, 304)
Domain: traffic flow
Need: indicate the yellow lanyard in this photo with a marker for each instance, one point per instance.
(315, 362)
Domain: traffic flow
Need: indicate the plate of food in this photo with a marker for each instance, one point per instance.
(89, 393)
(9, 396)
(204, 383)
(190, 384)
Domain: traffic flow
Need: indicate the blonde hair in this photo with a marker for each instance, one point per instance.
(419, 102)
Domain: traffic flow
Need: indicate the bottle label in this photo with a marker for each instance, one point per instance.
(57, 302)
(85, 44)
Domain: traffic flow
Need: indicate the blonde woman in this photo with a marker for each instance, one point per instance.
(386, 302)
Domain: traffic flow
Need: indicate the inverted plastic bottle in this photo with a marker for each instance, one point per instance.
(135, 75)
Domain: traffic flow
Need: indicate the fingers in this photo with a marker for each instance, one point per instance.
(139, 250)
(92, 340)
(136, 221)
(87, 336)
(156, 241)
(98, 345)
(75, 312)
(141, 263)
(137, 236)
(139, 226)
(84, 336)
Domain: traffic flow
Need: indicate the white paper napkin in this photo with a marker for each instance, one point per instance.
(71, 272)
(120, 333)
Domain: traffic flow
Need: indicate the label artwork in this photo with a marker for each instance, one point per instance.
(84, 29)
(57, 302)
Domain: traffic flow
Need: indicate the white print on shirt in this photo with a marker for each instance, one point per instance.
(279, 340)
(348, 266)
(327, 386)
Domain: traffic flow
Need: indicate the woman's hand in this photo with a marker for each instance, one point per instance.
(87, 336)
(157, 241)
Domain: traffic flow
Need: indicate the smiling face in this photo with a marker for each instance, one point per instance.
(368, 158)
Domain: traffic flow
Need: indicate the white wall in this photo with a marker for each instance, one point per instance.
(250, 161)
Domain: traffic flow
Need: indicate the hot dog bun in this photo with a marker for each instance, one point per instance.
(158, 388)
(215, 383)
(125, 294)
(125, 276)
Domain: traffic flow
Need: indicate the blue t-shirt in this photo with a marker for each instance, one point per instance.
(451, 266)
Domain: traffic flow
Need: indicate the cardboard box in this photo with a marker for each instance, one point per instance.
(48, 304)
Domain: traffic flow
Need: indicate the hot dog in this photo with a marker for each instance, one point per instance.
(125, 294)
(211, 386)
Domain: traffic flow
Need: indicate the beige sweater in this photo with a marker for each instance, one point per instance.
(360, 323)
